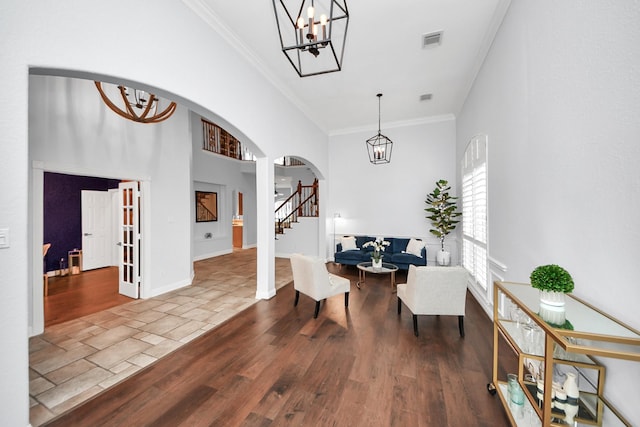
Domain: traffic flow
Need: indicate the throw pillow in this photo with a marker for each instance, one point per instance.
(414, 247)
(348, 243)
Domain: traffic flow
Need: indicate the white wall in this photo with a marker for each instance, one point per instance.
(88, 39)
(226, 176)
(71, 130)
(558, 98)
(389, 199)
(301, 238)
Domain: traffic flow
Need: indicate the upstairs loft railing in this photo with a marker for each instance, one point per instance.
(219, 141)
(304, 202)
(288, 161)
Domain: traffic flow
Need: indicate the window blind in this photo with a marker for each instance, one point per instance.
(474, 210)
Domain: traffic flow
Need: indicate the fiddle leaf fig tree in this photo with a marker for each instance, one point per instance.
(442, 210)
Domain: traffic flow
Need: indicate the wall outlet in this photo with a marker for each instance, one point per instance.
(208, 235)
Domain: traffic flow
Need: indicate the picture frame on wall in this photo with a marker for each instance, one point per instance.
(206, 206)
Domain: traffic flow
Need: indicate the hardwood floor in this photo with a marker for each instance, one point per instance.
(74, 296)
(274, 365)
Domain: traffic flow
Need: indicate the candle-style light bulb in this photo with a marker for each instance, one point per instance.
(300, 27)
(323, 22)
(310, 12)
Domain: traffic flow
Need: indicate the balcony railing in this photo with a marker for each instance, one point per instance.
(219, 141)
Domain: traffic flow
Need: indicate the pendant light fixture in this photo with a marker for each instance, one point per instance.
(139, 106)
(312, 34)
(379, 146)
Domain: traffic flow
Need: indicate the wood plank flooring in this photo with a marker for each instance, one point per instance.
(274, 365)
(74, 296)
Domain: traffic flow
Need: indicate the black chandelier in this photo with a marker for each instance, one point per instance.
(379, 146)
(312, 34)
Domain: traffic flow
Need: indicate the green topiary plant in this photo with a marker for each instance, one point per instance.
(442, 207)
(551, 278)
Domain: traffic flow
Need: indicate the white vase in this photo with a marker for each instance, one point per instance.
(570, 411)
(376, 264)
(443, 257)
(570, 387)
(552, 314)
(552, 298)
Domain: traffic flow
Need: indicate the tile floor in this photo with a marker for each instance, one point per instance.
(73, 361)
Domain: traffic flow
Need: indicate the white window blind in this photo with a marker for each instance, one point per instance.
(474, 210)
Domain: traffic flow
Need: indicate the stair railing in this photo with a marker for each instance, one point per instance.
(304, 202)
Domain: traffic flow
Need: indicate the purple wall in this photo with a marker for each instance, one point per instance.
(63, 213)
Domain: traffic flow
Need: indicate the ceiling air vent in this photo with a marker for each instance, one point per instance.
(426, 97)
(431, 39)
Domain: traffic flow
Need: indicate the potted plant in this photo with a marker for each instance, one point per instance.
(443, 212)
(553, 282)
(378, 247)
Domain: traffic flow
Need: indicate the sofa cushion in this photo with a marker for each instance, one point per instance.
(414, 247)
(352, 257)
(361, 240)
(401, 259)
(398, 245)
(348, 243)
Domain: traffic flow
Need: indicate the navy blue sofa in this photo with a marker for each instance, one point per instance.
(395, 253)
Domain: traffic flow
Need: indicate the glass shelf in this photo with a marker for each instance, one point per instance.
(522, 415)
(593, 332)
(585, 333)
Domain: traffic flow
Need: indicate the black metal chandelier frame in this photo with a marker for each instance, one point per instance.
(303, 33)
(379, 146)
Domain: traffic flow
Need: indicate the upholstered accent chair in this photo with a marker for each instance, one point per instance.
(311, 277)
(434, 291)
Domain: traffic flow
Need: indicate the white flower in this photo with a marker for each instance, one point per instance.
(378, 244)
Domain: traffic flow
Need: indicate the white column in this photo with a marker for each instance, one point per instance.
(265, 229)
(16, 259)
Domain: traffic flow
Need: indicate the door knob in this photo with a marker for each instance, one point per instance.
(119, 243)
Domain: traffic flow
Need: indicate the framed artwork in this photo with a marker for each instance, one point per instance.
(206, 206)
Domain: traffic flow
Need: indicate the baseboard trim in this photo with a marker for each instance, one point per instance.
(212, 254)
(481, 298)
(169, 288)
(266, 295)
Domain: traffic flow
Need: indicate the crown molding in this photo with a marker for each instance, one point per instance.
(204, 12)
(487, 41)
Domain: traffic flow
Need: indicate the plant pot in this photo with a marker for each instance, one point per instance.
(443, 257)
(552, 314)
(552, 298)
(376, 264)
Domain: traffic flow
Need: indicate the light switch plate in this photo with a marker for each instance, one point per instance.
(4, 238)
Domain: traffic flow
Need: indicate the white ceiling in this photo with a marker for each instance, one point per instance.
(383, 54)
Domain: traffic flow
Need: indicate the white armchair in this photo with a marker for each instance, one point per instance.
(434, 291)
(310, 276)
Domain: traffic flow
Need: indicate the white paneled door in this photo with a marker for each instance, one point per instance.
(129, 238)
(96, 229)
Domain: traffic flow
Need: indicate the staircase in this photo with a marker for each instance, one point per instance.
(302, 203)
